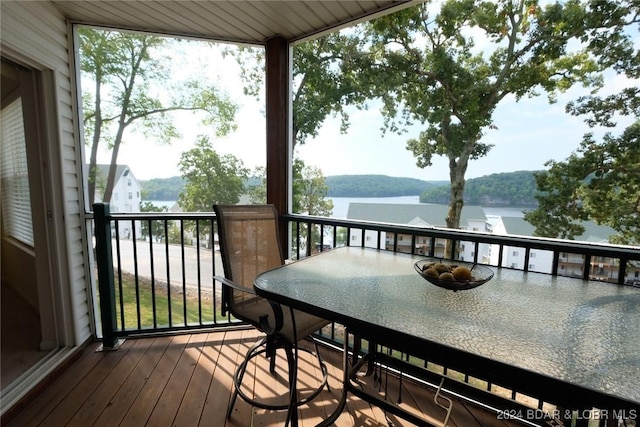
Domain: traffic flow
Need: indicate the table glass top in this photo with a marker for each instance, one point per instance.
(583, 332)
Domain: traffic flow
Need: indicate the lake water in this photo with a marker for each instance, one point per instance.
(341, 205)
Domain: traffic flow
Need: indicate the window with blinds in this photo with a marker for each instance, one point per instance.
(14, 177)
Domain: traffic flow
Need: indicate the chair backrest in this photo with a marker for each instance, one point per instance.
(249, 244)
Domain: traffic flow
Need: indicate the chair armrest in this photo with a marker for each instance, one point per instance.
(233, 285)
(264, 320)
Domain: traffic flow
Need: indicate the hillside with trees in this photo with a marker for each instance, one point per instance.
(339, 186)
(499, 189)
(162, 188)
(376, 186)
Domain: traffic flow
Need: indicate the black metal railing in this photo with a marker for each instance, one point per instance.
(155, 273)
(155, 270)
(314, 234)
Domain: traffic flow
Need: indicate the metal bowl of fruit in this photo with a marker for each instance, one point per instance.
(453, 275)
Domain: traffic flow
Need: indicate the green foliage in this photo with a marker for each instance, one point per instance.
(309, 197)
(162, 188)
(151, 227)
(499, 189)
(433, 74)
(327, 77)
(310, 190)
(130, 87)
(375, 186)
(257, 186)
(210, 178)
(601, 181)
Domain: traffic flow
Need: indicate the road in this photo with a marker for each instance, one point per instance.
(186, 267)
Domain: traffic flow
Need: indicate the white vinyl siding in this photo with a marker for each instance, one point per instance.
(35, 34)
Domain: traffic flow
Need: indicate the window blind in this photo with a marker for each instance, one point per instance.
(14, 177)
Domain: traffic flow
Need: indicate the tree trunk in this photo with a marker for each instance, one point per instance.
(97, 132)
(457, 171)
(108, 191)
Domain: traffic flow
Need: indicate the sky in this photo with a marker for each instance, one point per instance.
(528, 133)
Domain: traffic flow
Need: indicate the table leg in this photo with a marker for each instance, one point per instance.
(345, 385)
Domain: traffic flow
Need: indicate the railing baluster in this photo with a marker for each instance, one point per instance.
(184, 274)
(120, 288)
(136, 278)
(198, 278)
(168, 266)
(154, 306)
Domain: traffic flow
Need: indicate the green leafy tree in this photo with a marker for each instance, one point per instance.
(209, 179)
(325, 82)
(434, 74)
(258, 193)
(151, 227)
(311, 199)
(601, 180)
(132, 87)
(310, 192)
(309, 185)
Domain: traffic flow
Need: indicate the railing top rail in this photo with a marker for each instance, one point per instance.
(543, 243)
(160, 215)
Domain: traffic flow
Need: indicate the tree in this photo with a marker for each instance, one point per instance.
(325, 80)
(209, 179)
(434, 74)
(309, 185)
(132, 86)
(152, 228)
(258, 192)
(310, 192)
(601, 181)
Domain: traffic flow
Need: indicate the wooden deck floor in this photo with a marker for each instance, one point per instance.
(185, 380)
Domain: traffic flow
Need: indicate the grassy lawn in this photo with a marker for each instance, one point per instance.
(177, 302)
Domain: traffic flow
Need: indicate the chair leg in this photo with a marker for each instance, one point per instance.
(292, 354)
(272, 363)
(239, 374)
(232, 403)
(292, 411)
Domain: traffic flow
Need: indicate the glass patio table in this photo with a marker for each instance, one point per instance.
(571, 342)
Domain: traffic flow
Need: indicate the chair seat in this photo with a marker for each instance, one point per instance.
(306, 324)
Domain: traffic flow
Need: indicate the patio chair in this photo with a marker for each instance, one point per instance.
(249, 245)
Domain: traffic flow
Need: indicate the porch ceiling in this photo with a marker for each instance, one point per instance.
(251, 22)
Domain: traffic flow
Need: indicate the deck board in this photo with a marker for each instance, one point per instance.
(186, 380)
